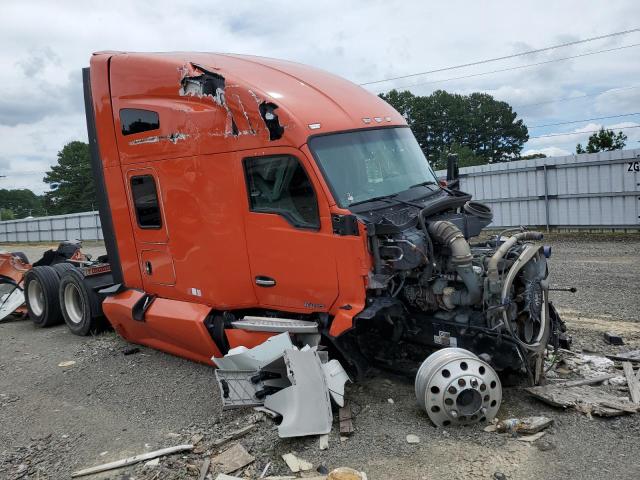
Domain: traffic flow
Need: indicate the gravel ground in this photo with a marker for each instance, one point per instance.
(108, 405)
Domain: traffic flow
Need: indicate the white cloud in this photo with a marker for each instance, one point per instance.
(548, 151)
(45, 44)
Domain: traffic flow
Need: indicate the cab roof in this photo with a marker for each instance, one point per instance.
(308, 100)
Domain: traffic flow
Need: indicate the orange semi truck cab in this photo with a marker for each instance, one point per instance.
(244, 196)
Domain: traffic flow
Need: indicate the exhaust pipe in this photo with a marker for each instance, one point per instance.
(449, 234)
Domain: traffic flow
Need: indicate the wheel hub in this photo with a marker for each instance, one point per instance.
(455, 387)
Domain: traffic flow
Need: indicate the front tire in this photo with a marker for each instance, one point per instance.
(41, 296)
(80, 305)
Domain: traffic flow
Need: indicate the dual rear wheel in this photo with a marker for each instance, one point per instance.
(59, 293)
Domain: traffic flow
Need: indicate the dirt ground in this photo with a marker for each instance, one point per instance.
(108, 405)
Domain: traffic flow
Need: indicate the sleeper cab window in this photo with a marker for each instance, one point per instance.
(133, 120)
(280, 185)
(145, 201)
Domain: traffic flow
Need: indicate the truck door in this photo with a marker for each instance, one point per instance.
(150, 229)
(288, 231)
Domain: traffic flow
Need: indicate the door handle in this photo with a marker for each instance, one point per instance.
(148, 267)
(263, 281)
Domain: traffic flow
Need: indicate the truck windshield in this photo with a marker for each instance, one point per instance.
(369, 164)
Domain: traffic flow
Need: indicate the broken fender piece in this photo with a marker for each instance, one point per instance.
(305, 406)
(10, 301)
(335, 377)
(242, 358)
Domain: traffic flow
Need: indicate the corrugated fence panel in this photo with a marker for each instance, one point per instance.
(587, 190)
(74, 226)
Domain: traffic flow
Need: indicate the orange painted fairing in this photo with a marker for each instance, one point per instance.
(237, 337)
(169, 325)
(13, 268)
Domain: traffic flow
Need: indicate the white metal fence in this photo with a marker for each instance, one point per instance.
(594, 191)
(74, 226)
(599, 190)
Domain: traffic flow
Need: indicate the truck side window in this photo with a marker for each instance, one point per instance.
(280, 185)
(134, 120)
(145, 200)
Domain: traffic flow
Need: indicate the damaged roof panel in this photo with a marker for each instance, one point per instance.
(259, 98)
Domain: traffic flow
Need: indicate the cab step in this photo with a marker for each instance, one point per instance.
(276, 325)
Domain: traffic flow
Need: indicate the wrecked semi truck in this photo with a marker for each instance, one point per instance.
(242, 197)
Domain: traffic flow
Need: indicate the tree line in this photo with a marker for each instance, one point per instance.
(71, 188)
(477, 128)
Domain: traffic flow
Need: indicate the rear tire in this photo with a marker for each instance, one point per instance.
(60, 268)
(41, 296)
(78, 302)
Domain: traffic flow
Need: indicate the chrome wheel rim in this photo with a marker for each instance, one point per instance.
(73, 303)
(36, 297)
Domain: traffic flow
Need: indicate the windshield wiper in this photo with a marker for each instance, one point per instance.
(423, 184)
(373, 199)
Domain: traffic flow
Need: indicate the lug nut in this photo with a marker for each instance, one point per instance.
(453, 413)
(484, 410)
(474, 383)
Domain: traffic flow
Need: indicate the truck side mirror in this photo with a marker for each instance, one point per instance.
(453, 181)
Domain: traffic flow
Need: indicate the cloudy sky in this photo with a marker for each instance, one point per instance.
(44, 45)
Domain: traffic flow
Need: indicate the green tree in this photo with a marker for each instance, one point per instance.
(72, 188)
(6, 214)
(532, 156)
(603, 141)
(21, 203)
(488, 127)
(466, 157)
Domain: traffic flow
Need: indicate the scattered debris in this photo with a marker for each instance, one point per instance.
(544, 445)
(613, 338)
(324, 441)
(390, 400)
(153, 463)
(527, 425)
(266, 411)
(499, 476)
(204, 469)
(531, 438)
(232, 459)
(296, 464)
(490, 428)
(234, 435)
(413, 438)
(297, 385)
(346, 423)
(130, 350)
(584, 398)
(132, 460)
(632, 356)
(633, 381)
(265, 470)
(222, 476)
(67, 363)
(345, 473)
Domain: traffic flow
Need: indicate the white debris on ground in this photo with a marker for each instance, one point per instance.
(276, 376)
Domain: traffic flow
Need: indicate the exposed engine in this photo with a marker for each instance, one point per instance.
(432, 288)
